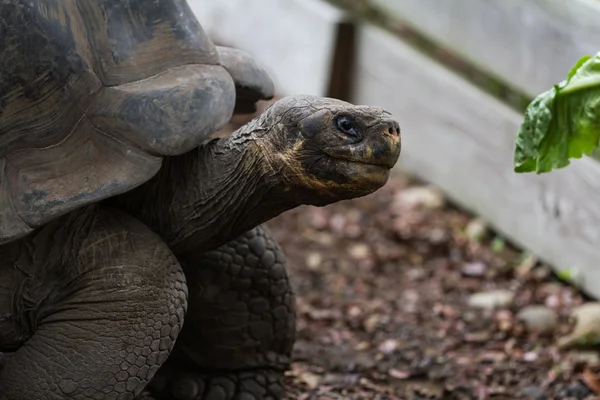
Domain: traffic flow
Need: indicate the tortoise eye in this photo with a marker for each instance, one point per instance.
(347, 126)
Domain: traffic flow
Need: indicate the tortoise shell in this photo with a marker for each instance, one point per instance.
(93, 94)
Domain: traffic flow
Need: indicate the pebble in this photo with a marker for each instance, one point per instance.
(492, 299)
(313, 260)
(587, 326)
(474, 269)
(388, 346)
(476, 230)
(311, 380)
(538, 318)
(359, 251)
(586, 357)
(371, 323)
(427, 197)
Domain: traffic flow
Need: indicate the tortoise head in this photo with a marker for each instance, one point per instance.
(330, 150)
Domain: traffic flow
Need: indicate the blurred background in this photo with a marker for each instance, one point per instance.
(460, 279)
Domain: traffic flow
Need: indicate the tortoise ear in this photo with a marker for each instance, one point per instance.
(252, 82)
(314, 124)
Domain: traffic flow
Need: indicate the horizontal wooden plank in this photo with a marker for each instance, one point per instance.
(294, 39)
(461, 139)
(530, 44)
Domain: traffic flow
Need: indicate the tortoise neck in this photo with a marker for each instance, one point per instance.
(211, 195)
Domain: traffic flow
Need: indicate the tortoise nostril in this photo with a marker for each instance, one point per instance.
(390, 127)
(393, 130)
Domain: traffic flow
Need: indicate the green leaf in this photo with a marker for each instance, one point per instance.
(498, 244)
(568, 275)
(577, 65)
(562, 123)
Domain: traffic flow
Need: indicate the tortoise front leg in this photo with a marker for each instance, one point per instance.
(93, 303)
(239, 331)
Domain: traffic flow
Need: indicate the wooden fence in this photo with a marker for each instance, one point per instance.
(454, 134)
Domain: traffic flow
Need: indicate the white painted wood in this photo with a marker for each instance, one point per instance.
(293, 39)
(461, 139)
(531, 44)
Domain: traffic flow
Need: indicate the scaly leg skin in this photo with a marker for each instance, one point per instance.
(92, 303)
(239, 331)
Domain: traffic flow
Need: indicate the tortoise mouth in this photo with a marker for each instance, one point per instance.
(361, 175)
(384, 163)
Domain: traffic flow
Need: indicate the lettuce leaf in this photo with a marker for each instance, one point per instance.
(562, 123)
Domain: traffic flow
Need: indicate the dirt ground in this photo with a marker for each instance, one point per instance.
(383, 287)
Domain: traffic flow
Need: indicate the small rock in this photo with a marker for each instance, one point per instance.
(552, 301)
(538, 318)
(530, 356)
(587, 326)
(541, 273)
(371, 323)
(354, 312)
(311, 380)
(396, 373)
(505, 320)
(527, 263)
(493, 356)
(477, 337)
(476, 230)
(585, 357)
(359, 251)
(313, 260)
(360, 346)
(473, 269)
(438, 236)
(492, 299)
(388, 346)
(427, 197)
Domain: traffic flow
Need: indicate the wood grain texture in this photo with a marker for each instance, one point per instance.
(294, 39)
(530, 44)
(461, 139)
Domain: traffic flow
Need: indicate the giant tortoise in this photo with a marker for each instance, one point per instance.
(120, 215)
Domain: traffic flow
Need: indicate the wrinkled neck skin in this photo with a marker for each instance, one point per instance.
(213, 194)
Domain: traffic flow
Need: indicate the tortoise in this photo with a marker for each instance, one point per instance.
(121, 215)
